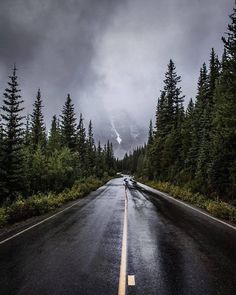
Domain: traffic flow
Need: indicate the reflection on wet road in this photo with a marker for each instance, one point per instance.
(171, 249)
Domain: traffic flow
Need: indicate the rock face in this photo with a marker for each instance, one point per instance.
(124, 132)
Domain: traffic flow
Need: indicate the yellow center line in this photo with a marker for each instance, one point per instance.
(123, 264)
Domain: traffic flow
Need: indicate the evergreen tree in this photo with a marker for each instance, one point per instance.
(214, 71)
(90, 136)
(38, 130)
(109, 157)
(54, 140)
(150, 133)
(11, 149)
(90, 153)
(190, 108)
(68, 124)
(162, 117)
(173, 95)
(148, 153)
(187, 140)
(224, 60)
(100, 164)
(81, 144)
(27, 132)
(199, 121)
(166, 149)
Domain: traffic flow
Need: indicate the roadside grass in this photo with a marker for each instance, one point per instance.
(40, 204)
(215, 207)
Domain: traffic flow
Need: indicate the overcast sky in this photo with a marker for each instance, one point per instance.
(110, 55)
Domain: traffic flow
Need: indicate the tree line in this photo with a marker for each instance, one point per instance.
(195, 147)
(33, 160)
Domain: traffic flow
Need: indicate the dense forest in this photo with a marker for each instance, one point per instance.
(195, 147)
(33, 160)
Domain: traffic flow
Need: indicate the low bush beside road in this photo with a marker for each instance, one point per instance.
(215, 207)
(40, 204)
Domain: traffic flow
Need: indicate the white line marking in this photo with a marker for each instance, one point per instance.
(187, 205)
(123, 264)
(42, 221)
(131, 280)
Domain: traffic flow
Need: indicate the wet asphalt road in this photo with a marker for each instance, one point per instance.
(171, 249)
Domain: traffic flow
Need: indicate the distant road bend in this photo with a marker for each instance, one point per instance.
(118, 241)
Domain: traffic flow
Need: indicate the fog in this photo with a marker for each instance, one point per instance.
(110, 55)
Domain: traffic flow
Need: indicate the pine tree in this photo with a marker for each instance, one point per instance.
(109, 157)
(150, 133)
(90, 136)
(198, 121)
(173, 95)
(205, 108)
(170, 116)
(224, 60)
(148, 169)
(54, 140)
(11, 149)
(38, 129)
(187, 141)
(68, 124)
(90, 150)
(100, 164)
(214, 71)
(162, 117)
(81, 143)
(27, 132)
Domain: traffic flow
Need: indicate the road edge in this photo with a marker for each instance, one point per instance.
(24, 226)
(205, 213)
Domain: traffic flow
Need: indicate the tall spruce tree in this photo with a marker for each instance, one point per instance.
(109, 157)
(150, 133)
(172, 144)
(27, 131)
(166, 147)
(204, 111)
(90, 153)
(11, 148)
(81, 142)
(38, 129)
(162, 116)
(198, 121)
(214, 71)
(90, 136)
(100, 164)
(173, 95)
(187, 140)
(54, 140)
(68, 124)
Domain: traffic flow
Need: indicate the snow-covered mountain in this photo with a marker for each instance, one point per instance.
(123, 131)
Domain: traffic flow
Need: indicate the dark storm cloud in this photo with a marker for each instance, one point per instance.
(111, 55)
(53, 43)
(19, 36)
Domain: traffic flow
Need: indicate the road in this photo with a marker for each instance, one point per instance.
(168, 249)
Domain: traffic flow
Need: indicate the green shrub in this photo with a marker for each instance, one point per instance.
(3, 217)
(222, 210)
(40, 204)
(215, 207)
